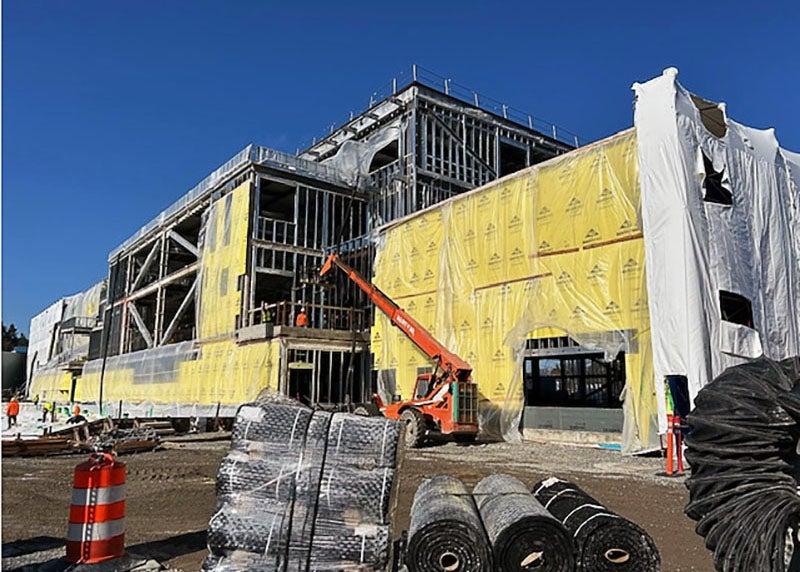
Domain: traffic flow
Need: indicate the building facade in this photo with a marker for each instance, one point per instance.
(572, 280)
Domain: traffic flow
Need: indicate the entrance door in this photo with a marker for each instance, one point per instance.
(300, 384)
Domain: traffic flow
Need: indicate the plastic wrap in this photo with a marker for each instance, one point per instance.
(523, 535)
(553, 250)
(256, 483)
(604, 541)
(223, 258)
(304, 490)
(184, 373)
(697, 248)
(352, 521)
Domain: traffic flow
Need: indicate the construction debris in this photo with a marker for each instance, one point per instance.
(99, 435)
(37, 447)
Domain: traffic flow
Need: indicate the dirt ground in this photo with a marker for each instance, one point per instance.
(170, 496)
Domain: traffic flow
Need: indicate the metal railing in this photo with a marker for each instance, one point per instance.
(420, 75)
(275, 230)
(252, 154)
(319, 316)
(380, 178)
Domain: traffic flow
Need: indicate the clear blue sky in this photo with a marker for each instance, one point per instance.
(111, 110)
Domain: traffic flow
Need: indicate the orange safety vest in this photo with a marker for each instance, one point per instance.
(302, 320)
(12, 409)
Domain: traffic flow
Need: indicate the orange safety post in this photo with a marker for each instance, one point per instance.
(97, 512)
(669, 446)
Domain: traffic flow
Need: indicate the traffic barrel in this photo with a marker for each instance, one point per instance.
(97, 512)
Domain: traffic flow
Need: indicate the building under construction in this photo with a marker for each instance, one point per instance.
(562, 275)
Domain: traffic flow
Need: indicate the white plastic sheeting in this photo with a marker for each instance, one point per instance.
(353, 158)
(41, 336)
(695, 248)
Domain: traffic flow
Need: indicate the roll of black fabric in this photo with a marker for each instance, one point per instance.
(604, 541)
(446, 534)
(742, 450)
(522, 534)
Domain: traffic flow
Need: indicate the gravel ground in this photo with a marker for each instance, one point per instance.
(171, 496)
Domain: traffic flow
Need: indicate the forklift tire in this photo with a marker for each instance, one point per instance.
(414, 424)
(368, 410)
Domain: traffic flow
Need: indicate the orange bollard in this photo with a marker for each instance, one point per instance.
(97, 512)
(669, 446)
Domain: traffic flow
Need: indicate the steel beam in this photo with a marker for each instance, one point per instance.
(192, 248)
(178, 313)
(137, 318)
(145, 266)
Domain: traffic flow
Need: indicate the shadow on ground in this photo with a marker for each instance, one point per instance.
(46, 553)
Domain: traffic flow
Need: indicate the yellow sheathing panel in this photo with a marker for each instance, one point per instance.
(219, 372)
(551, 250)
(214, 368)
(52, 385)
(223, 260)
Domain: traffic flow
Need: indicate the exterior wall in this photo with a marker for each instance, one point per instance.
(213, 368)
(52, 384)
(699, 246)
(223, 259)
(553, 250)
(188, 372)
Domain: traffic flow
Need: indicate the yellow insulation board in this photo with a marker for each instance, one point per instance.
(555, 249)
(223, 372)
(52, 385)
(215, 369)
(223, 260)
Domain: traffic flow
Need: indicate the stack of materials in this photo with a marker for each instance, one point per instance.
(604, 541)
(523, 535)
(303, 490)
(500, 526)
(446, 532)
(352, 518)
(743, 453)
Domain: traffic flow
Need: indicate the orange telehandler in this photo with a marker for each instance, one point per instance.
(445, 401)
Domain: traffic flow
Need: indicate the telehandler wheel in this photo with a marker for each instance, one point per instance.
(414, 424)
(465, 437)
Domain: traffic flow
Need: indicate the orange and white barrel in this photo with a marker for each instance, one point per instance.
(97, 512)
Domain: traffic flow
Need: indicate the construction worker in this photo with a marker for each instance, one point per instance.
(12, 410)
(302, 319)
(36, 400)
(76, 410)
(45, 410)
(266, 315)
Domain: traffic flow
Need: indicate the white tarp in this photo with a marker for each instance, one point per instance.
(42, 336)
(44, 329)
(695, 248)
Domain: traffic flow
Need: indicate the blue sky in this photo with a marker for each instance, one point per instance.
(111, 110)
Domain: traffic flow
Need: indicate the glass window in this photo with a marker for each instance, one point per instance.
(583, 380)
